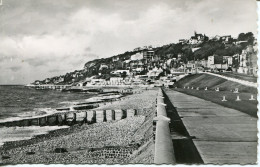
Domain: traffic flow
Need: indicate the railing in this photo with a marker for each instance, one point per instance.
(164, 152)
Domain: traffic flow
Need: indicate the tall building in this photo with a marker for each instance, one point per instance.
(148, 55)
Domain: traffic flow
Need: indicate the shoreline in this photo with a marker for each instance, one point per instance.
(89, 103)
(60, 134)
(5, 123)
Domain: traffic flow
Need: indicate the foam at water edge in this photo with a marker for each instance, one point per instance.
(36, 113)
(24, 133)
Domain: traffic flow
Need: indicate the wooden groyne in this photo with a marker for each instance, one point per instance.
(74, 117)
(164, 152)
(79, 113)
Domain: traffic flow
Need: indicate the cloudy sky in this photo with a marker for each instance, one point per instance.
(44, 38)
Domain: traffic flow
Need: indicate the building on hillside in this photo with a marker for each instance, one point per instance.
(95, 81)
(248, 61)
(193, 40)
(239, 42)
(137, 56)
(103, 66)
(198, 38)
(227, 39)
(137, 49)
(154, 72)
(126, 64)
(216, 38)
(148, 55)
(116, 80)
(216, 62)
(203, 63)
(61, 79)
(120, 72)
(183, 41)
(228, 60)
(253, 67)
(37, 82)
(136, 64)
(115, 58)
(210, 60)
(170, 62)
(179, 56)
(155, 60)
(179, 69)
(243, 58)
(190, 67)
(47, 80)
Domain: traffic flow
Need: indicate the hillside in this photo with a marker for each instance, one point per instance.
(182, 52)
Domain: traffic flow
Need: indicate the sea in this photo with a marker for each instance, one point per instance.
(17, 102)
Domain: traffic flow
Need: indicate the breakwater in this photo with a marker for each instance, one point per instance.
(74, 117)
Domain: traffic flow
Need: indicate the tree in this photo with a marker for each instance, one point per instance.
(249, 37)
(123, 75)
(208, 49)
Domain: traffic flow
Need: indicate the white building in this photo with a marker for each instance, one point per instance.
(115, 58)
(97, 81)
(118, 72)
(243, 59)
(228, 59)
(137, 56)
(116, 80)
(154, 72)
(210, 60)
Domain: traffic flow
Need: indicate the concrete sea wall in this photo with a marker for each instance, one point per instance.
(164, 152)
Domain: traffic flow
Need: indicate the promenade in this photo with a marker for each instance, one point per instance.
(221, 135)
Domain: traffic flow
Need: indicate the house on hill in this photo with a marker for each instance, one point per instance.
(193, 67)
(120, 72)
(183, 41)
(137, 49)
(226, 39)
(115, 58)
(148, 55)
(198, 38)
(47, 80)
(137, 56)
(248, 61)
(103, 66)
(220, 62)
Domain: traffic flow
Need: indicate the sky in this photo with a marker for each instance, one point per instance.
(46, 38)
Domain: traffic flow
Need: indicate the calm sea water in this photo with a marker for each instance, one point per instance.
(23, 102)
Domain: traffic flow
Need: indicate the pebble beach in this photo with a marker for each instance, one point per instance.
(129, 140)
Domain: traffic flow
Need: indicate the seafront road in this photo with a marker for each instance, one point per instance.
(221, 135)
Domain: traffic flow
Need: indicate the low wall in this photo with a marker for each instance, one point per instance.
(164, 152)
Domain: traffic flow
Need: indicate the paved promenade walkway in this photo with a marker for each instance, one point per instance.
(222, 135)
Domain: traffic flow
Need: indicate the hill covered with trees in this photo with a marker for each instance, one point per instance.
(185, 51)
